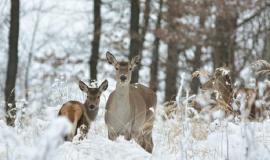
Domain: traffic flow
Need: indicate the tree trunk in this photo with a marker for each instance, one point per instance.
(30, 55)
(172, 59)
(265, 55)
(224, 42)
(155, 54)
(196, 63)
(134, 34)
(142, 38)
(96, 40)
(195, 82)
(171, 71)
(266, 50)
(12, 62)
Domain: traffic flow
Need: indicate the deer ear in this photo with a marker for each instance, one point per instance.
(83, 86)
(110, 58)
(103, 86)
(135, 61)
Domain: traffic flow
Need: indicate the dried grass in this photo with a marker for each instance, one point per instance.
(197, 74)
(261, 68)
(199, 129)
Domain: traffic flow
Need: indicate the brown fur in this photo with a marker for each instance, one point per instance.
(72, 110)
(148, 95)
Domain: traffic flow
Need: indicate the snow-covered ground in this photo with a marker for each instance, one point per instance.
(65, 30)
(39, 135)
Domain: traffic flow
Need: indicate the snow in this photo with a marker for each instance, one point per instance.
(39, 135)
(98, 147)
(223, 71)
(65, 29)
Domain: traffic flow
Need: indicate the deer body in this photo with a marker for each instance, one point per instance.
(81, 115)
(120, 111)
(128, 109)
(74, 111)
(126, 112)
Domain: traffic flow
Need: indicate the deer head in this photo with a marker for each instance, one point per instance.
(93, 94)
(123, 69)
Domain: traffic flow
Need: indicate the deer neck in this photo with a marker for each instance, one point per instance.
(121, 107)
(90, 115)
(122, 98)
(122, 90)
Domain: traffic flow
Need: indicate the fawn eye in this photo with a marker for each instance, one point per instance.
(98, 96)
(117, 68)
(130, 69)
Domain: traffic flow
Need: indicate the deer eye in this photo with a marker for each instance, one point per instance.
(98, 96)
(117, 68)
(130, 69)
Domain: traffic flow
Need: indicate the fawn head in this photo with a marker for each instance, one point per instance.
(93, 94)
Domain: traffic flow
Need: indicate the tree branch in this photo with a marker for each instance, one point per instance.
(254, 15)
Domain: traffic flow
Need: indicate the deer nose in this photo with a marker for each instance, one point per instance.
(123, 77)
(91, 106)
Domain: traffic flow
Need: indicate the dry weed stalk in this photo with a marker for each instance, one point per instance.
(220, 85)
(261, 67)
(253, 110)
(199, 127)
(172, 111)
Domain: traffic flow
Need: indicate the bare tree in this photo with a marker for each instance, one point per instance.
(224, 39)
(172, 59)
(30, 55)
(146, 13)
(196, 62)
(142, 36)
(155, 53)
(266, 50)
(134, 34)
(96, 40)
(12, 62)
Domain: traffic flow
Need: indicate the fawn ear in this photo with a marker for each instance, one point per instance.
(83, 86)
(110, 58)
(103, 86)
(135, 61)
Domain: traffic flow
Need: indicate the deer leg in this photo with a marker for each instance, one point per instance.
(112, 135)
(83, 131)
(68, 137)
(127, 135)
(139, 140)
(145, 141)
(144, 137)
(147, 132)
(148, 143)
(138, 137)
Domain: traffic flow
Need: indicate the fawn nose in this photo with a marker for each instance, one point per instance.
(91, 106)
(123, 77)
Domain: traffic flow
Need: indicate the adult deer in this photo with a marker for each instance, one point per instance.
(130, 107)
(81, 115)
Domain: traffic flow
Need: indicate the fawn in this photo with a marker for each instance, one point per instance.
(82, 114)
